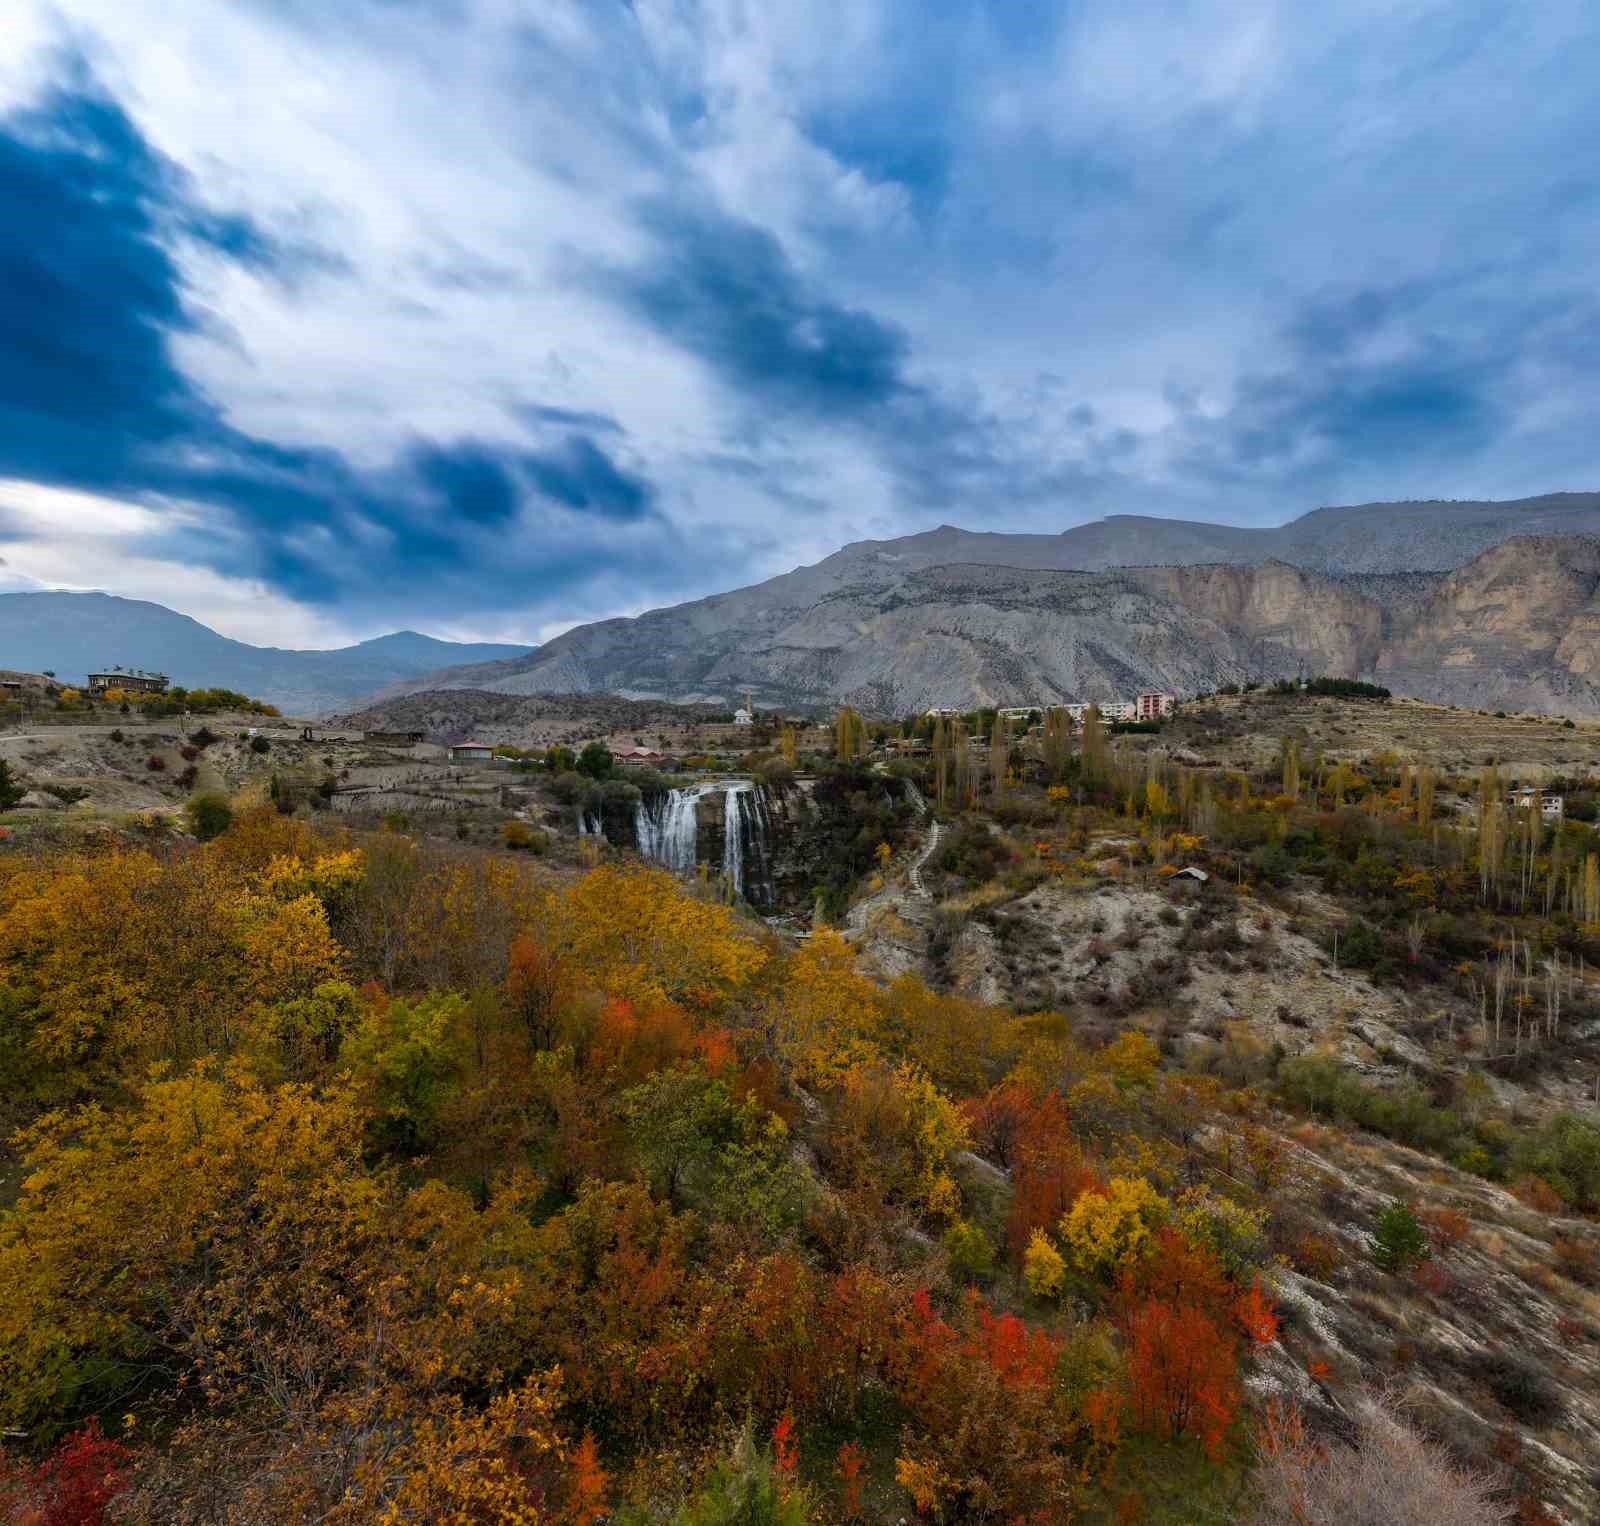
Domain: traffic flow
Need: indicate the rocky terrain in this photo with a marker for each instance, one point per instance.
(519, 720)
(1511, 629)
(1517, 628)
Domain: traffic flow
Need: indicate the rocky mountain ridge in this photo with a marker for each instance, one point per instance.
(1516, 627)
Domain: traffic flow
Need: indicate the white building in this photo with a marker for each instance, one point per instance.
(1551, 807)
(742, 717)
(945, 711)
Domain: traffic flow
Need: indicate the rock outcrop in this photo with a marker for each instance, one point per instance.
(1516, 629)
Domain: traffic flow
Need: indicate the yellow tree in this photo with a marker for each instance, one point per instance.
(1057, 742)
(849, 734)
(639, 935)
(825, 1015)
(1427, 782)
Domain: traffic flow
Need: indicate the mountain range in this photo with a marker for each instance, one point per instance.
(1492, 605)
(1474, 603)
(73, 634)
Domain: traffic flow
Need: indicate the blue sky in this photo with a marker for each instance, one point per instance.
(318, 320)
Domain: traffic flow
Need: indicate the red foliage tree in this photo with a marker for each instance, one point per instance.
(73, 1486)
(586, 1502)
(1182, 1374)
(852, 1461)
(1183, 1320)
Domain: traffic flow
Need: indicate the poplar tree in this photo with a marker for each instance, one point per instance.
(1094, 746)
(1057, 742)
(999, 754)
(1291, 768)
(850, 735)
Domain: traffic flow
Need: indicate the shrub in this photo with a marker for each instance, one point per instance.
(1107, 1227)
(1577, 1261)
(187, 777)
(67, 794)
(74, 1486)
(260, 745)
(117, 736)
(1447, 1228)
(1043, 1269)
(970, 1251)
(747, 1489)
(204, 737)
(1386, 1472)
(1316, 1256)
(210, 816)
(1397, 1239)
(1519, 1387)
(1565, 1152)
(155, 763)
(188, 752)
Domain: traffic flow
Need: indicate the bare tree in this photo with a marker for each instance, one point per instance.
(1389, 1475)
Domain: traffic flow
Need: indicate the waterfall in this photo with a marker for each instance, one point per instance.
(746, 833)
(666, 829)
(590, 824)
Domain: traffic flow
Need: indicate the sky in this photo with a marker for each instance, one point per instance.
(321, 318)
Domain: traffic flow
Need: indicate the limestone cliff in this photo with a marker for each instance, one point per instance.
(1516, 628)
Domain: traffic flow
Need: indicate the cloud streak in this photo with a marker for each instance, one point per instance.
(444, 312)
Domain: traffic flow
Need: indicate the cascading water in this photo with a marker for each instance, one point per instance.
(667, 829)
(746, 833)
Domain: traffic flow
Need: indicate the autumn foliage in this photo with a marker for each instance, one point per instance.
(389, 1183)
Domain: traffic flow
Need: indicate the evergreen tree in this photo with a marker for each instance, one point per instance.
(10, 791)
(1397, 1239)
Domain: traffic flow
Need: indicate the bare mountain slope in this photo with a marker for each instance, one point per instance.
(1516, 629)
(954, 616)
(971, 633)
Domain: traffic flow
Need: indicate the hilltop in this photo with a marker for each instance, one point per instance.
(73, 634)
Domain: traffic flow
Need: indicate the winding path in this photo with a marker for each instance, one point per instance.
(929, 848)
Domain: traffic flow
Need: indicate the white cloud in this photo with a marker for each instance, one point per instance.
(78, 541)
(1135, 199)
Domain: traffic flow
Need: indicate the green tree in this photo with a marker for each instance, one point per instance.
(689, 1134)
(210, 815)
(1564, 1151)
(747, 1489)
(10, 791)
(596, 761)
(1397, 1239)
(407, 1054)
